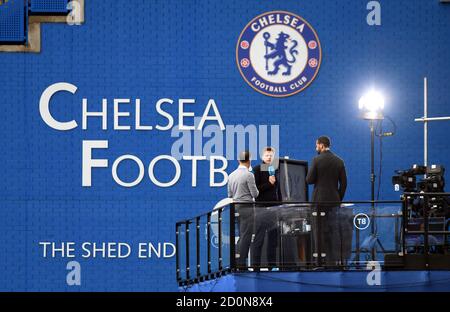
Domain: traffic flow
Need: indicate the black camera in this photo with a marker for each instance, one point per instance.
(406, 179)
(432, 182)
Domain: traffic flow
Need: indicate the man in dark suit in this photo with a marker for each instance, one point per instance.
(328, 175)
(266, 178)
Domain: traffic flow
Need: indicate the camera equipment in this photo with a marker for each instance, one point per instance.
(427, 211)
(406, 179)
(433, 182)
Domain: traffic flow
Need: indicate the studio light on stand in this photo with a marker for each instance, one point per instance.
(371, 107)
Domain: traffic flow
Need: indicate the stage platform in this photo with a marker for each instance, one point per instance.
(348, 281)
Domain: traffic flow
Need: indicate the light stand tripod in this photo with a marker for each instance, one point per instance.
(372, 185)
(372, 105)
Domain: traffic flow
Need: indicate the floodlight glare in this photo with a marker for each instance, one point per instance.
(371, 105)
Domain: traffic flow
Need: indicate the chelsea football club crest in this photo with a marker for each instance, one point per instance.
(278, 54)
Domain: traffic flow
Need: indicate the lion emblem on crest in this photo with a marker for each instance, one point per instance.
(278, 53)
(278, 50)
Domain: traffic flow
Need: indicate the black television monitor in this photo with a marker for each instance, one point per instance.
(293, 186)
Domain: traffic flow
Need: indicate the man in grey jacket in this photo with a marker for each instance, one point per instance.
(242, 188)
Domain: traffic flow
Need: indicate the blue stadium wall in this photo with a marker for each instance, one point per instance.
(186, 49)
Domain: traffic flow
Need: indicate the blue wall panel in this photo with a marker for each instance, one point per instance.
(13, 25)
(186, 49)
(48, 6)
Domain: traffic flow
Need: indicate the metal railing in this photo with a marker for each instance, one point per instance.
(426, 222)
(309, 235)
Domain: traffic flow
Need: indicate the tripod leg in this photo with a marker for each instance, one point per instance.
(381, 246)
